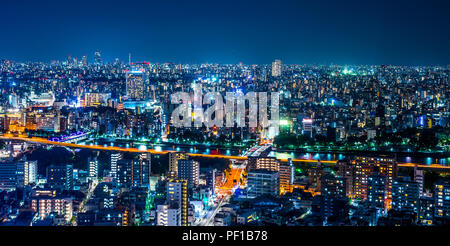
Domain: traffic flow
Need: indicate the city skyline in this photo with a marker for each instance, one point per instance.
(250, 115)
(350, 32)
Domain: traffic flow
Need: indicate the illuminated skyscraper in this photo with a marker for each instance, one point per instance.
(98, 58)
(84, 61)
(8, 177)
(135, 84)
(26, 172)
(276, 68)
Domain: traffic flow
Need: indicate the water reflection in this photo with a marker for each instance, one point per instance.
(409, 158)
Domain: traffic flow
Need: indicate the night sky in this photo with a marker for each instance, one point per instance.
(342, 32)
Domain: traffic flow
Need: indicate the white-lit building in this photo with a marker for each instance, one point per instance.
(167, 216)
(46, 202)
(276, 68)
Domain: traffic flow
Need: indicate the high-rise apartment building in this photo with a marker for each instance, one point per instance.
(333, 196)
(60, 177)
(45, 202)
(115, 157)
(135, 84)
(364, 166)
(26, 172)
(419, 178)
(376, 190)
(442, 201)
(98, 58)
(286, 176)
(405, 195)
(134, 172)
(92, 168)
(174, 157)
(263, 182)
(189, 170)
(276, 68)
(177, 198)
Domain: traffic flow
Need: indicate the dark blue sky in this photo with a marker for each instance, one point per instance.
(413, 32)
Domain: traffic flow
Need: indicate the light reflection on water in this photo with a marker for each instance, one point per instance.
(296, 155)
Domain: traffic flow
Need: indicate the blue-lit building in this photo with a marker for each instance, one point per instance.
(405, 195)
(442, 201)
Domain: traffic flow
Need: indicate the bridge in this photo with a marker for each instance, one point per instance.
(162, 152)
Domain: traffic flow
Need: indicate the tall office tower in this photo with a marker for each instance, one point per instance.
(8, 176)
(333, 196)
(307, 129)
(376, 190)
(346, 170)
(84, 61)
(26, 172)
(364, 166)
(177, 197)
(98, 58)
(92, 168)
(60, 177)
(276, 68)
(268, 163)
(167, 216)
(115, 157)
(189, 170)
(405, 195)
(418, 177)
(442, 201)
(286, 177)
(174, 157)
(135, 83)
(45, 202)
(263, 182)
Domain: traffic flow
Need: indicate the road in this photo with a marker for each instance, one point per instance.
(231, 182)
(208, 218)
(91, 189)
